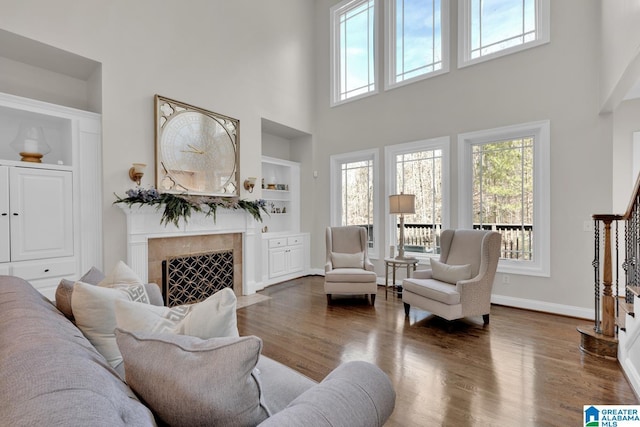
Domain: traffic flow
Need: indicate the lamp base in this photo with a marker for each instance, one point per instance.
(31, 157)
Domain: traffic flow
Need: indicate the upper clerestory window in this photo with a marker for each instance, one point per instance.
(488, 29)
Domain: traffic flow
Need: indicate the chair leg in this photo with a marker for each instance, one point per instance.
(329, 299)
(373, 299)
(485, 318)
(407, 307)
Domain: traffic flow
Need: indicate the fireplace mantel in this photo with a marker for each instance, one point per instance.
(143, 223)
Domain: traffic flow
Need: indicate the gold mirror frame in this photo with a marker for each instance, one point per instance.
(197, 151)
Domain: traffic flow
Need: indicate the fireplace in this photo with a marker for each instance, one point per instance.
(149, 242)
(188, 279)
(196, 262)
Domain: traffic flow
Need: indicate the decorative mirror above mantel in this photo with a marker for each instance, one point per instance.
(197, 151)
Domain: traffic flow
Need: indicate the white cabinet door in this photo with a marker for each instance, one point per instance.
(277, 262)
(296, 258)
(41, 213)
(4, 215)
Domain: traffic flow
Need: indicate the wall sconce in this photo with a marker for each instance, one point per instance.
(249, 183)
(136, 172)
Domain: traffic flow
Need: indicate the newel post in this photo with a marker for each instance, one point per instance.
(608, 326)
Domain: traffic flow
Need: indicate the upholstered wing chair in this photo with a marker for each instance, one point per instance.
(459, 284)
(348, 270)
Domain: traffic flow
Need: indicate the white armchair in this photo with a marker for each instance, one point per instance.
(348, 270)
(459, 285)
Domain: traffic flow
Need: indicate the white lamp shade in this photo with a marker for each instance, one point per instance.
(30, 139)
(139, 167)
(402, 204)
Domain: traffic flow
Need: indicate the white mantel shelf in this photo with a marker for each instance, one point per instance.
(143, 223)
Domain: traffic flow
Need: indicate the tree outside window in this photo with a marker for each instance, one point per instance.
(503, 193)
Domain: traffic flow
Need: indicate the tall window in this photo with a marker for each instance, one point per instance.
(353, 192)
(420, 168)
(504, 185)
(503, 193)
(417, 40)
(353, 44)
(492, 28)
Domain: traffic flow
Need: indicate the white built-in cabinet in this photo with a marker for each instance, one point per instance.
(36, 213)
(50, 212)
(285, 250)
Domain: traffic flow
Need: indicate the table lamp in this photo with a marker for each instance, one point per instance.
(402, 204)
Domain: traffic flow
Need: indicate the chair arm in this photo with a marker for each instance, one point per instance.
(368, 265)
(355, 394)
(475, 294)
(421, 274)
(328, 267)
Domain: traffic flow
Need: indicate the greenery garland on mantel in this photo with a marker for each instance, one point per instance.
(180, 206)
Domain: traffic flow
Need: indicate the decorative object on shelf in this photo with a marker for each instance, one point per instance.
(249, 183)
(136, 172)
(197, 151)
(30, 143)
(181, 206)
(271, 183)
(280, 187)
(402, 204)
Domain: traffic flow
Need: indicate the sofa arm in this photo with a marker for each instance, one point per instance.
(355, 394)
(328, 267)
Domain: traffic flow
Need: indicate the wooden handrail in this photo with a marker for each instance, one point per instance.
(632, 201)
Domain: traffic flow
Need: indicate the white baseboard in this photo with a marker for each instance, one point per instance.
(549, 307)
(528, 304)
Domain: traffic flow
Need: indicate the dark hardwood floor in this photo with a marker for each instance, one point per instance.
(523, 369)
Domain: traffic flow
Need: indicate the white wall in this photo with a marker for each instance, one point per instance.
(557, 81)
(626, 121)
(620, 50)
(242, 58)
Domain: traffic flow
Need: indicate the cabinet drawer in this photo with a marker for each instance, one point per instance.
(295, 240)
(277, 243)
(43, 269)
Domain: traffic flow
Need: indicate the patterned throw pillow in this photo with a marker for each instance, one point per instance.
(213, 317)
(94, 311)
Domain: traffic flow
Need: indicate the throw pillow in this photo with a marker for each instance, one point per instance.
(65, 289)
(343, 260)
(121, 275)
(187, 381)
(213, 317)
(450, 273)
(94, 311)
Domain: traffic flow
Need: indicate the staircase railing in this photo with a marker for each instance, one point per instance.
(607, 267)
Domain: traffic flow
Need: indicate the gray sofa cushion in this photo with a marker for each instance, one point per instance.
(188, 381)
(51, 375)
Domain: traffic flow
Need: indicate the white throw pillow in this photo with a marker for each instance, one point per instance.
(213, 317)
(450, 273)
(94, 310)
(121, 275)
(344, 260)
